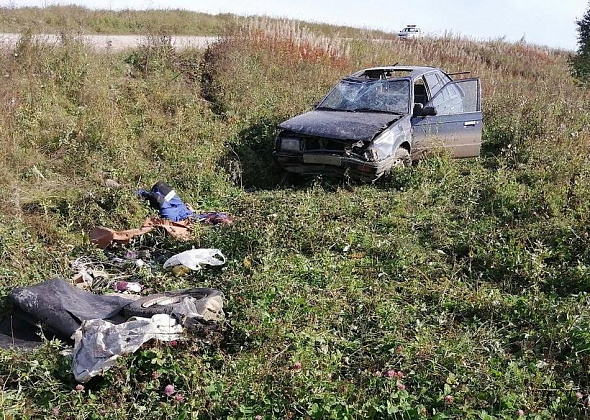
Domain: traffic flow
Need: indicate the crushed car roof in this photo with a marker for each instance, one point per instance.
(395, 71)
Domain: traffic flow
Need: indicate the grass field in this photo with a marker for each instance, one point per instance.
(79, 20)
(453, 289)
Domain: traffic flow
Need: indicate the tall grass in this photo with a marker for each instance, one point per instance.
(455, 289)
(80, 20)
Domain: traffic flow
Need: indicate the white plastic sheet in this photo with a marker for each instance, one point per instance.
(210, 309)
(99, 343)
(194, 258)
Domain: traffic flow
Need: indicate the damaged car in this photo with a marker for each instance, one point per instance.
(380, 118)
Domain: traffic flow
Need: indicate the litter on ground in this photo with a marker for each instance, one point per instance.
(176, 218)
(99, 343)
(104, 327)
(194, 258)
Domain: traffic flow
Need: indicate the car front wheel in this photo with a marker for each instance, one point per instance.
(401, 158)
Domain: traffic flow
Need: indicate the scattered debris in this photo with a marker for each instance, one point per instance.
(127, 286)
(105, 327)
(215, 218)
(111, 183)
(177, 218)
(162, 316)
(88, 274)
(93, 275)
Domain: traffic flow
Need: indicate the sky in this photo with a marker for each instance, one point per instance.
(543, 22)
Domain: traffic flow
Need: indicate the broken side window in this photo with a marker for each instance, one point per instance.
(420, 95)
(434, 83)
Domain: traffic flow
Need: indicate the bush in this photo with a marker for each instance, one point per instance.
(581, 61)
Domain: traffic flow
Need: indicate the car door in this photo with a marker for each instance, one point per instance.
(456, 125)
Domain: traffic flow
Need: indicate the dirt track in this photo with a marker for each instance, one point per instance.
(113, 42)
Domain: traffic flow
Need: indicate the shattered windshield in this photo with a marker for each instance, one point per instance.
(377, 95)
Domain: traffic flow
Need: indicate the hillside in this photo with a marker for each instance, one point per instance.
(454, 289)
(80, 20)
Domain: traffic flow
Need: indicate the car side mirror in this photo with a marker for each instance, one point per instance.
(428, 111)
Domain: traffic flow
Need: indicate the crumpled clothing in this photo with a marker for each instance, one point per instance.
(99, 343)
(163, 198)
(215, 218)
(103, 237)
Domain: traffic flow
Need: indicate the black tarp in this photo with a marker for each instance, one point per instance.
(58, 308)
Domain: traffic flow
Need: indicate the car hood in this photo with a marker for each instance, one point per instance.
(340, 125)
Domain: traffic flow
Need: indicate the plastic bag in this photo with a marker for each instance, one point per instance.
(99, 343)
(194, 258)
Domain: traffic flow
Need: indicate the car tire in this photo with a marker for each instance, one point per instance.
(162, 303)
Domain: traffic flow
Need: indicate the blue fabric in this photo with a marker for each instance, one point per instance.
(175, 209)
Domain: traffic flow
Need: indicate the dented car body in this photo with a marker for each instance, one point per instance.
(380, 118)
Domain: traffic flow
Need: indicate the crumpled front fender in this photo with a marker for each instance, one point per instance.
(386, 143)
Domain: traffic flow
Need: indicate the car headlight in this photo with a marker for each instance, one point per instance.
(290, 144)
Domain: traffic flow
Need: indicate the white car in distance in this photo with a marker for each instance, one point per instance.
(410, 31)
